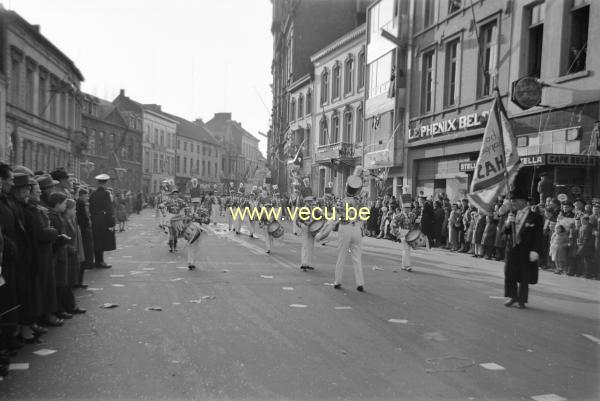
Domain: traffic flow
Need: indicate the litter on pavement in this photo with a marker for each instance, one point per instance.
(154, 308)
(548, 397)
(18, 366)
(266, 276)
(177, 279)
(297, 306)
(117, 275)
(108, 305)
(491, 366)
(374, 268)
(118, 285)
(403, 321)
(195, 301)
(343, 307)
(288, 288)
(44, 352)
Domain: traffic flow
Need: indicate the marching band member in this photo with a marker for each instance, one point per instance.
(264, 203)
(195, 234)
(350, 235)
(175, 208)
(308, 240)
(229, 206)
(237, 224)
(252, 205)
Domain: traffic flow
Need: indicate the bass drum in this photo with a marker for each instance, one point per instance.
(324, 231)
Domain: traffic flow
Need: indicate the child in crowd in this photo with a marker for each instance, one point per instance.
(559, 247)
(489, 237)
(573, 269)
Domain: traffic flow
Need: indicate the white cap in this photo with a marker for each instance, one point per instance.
(103, 177)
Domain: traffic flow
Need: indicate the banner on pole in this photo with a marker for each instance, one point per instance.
(498, 160)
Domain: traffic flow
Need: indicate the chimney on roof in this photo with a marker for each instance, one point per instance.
(223, 116)
(122, 92)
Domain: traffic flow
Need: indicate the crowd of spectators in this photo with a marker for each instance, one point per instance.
(571, 229)
(46, 244)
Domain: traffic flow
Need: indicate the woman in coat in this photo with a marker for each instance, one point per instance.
(74, 258)
(427, 221)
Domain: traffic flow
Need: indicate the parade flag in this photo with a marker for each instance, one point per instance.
(498, 160)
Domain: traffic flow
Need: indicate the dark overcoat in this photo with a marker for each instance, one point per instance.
(59, 258)
(8, 292)
(85, 225)
(103, 220)
(42, 236)
(517, 266)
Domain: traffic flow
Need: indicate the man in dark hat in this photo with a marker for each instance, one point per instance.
(524, 231)
(545, 187)
(103, 222)
(64, 181)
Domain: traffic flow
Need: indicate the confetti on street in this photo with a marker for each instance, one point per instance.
(44, 352)
(548, 397)
(491, 366)
(403, 321)
(297, 306)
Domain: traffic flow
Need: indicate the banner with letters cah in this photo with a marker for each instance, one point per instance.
(498, 160)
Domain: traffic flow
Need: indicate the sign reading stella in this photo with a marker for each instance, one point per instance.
(498, 160)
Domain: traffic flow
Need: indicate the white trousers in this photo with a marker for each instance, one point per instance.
(194, 251)
(406, 253)
(214, 212)
(350, 239)
(268, 239)
(251, 226)
(295, 229)
(308, 248)
(229, 220)
(237, 225)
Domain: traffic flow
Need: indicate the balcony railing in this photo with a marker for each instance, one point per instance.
(334, 151)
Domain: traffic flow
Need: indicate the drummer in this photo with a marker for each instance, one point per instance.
(175, 208)
(308, 240)
(406, 223)
(264, 203)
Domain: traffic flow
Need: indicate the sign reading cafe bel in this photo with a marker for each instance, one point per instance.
(448, 126)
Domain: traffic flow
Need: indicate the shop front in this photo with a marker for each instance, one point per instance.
(576, 176)
(437, 154)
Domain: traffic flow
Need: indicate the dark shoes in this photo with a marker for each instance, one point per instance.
(191, 267)
(337, 286)
(103, 266)
(38, 329)
(521, 305)
(64, 315)
(251, 235)
(305, 268)
(268, 251)
(77, 311)
(53, 321)
(360, 288)
(510, 302)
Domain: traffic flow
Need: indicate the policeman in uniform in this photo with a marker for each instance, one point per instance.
(350, 234)
(103, 222)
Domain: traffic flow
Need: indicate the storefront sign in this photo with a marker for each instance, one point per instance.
(544, 159)
(466, 166)
(571, 160)
(535, 160)
(448, 126)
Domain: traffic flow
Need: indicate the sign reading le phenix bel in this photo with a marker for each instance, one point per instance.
(448, 126)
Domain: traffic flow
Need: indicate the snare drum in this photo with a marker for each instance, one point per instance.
(192, 232)
(315, 226)
(278, 233)
(324, 231)
(416, 238)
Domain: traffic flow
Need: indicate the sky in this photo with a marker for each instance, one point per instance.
(194, 58)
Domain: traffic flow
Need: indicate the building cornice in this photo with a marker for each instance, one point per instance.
(299, 83)
(347, 38)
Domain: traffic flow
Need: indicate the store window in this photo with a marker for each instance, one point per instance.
(578, 36)
(488, 46)
(535, 32)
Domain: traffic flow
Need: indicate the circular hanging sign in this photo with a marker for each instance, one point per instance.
(562, 197)
(526, 92)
